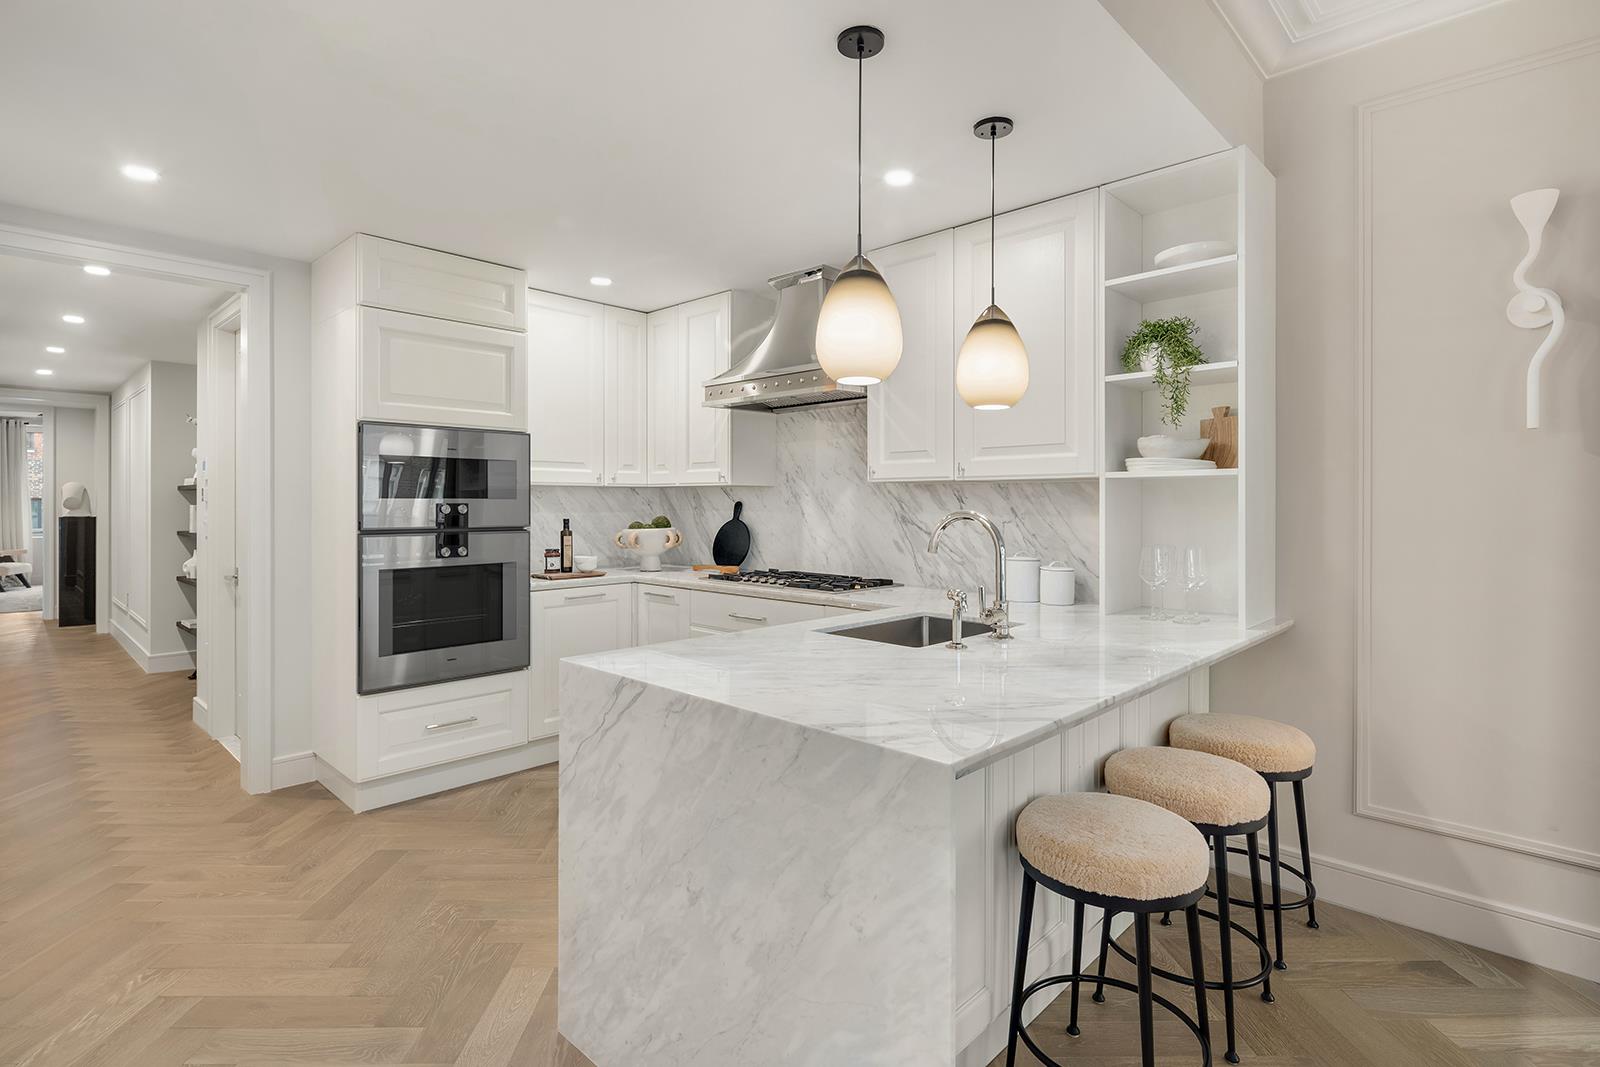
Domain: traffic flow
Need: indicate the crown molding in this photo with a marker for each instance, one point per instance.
(1285, 35)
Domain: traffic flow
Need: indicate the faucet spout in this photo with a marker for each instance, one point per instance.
(996, 614)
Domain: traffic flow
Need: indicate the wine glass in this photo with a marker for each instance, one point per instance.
(1194, 578)
(1155, 568)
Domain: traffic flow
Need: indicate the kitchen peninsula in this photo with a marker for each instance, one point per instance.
(792, 846)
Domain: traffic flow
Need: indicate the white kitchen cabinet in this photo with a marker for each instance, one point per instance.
(663, 615)
(626, 389)
(434, 371)
(689, 443)
(720, 613)
(566, 390)
(375, 272)
(571, 623)
(414, 728)
(910, 420)
(1046, 284)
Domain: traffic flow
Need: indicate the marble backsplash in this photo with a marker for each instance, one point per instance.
(824, 515)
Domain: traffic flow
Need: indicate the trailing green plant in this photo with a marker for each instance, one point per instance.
(1171, 342)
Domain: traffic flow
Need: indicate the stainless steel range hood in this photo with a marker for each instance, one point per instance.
(783, 371)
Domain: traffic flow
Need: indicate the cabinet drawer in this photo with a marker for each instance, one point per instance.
(726, 612)
(415, 728)
(425, 282)
(416, 369)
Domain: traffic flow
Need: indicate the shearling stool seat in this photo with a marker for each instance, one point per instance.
(1221, 799)
(1119, 854)
(1279, 753)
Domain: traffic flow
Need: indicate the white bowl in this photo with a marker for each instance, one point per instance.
(586, 563)
(649, 542)
(1166, 446)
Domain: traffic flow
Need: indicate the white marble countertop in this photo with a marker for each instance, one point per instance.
(958, 709)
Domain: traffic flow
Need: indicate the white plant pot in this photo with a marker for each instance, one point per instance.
(1167, 446)
(649, 543)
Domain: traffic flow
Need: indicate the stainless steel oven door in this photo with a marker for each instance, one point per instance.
(438, 606)
(409, 474)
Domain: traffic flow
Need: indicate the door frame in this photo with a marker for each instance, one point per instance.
(253, 469)
(228, 319)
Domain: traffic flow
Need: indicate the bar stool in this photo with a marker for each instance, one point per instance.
(1221, 799)
(1279, 753)
(1119, 854)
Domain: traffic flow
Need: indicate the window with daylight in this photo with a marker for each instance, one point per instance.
(35, 460)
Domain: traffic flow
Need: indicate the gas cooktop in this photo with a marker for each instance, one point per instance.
(826, 583)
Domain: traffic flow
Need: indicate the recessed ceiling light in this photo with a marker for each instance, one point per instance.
(45, 371)
(54, 350)
(599, 279)
(138, 172)
(72, 320)
(898, 177)
(95, 269)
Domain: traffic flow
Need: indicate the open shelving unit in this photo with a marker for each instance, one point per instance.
(1231, 512)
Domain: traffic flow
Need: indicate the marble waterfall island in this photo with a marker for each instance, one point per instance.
(786, 846)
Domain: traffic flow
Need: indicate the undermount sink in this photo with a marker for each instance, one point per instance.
(919, 631)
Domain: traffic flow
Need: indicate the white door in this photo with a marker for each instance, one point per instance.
(566, 390)
(663, 615)
(1046, 283)
(909, 417)
(704, 328)
(664, 398)
(219, 541)
(625, 389)
(571, 624)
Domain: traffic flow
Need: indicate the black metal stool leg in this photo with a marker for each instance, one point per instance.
(1147, 1032)
(1225, 936)
(1277, 877)
(1166, 918)
(1197, 968)
(1024, 923)
(1305, 852)
(1252, 840)
(1077, 968)
(1105, 950)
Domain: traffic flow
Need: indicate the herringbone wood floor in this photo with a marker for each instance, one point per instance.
(151, 913)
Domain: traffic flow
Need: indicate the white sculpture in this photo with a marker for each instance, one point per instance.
(75, 498)
(1534, 307)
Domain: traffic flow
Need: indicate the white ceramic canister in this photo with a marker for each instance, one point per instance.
(1058, 584)
(1022, 579)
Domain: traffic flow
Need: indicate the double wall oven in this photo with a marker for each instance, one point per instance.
(444, 554)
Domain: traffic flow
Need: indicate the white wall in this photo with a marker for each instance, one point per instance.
(291, 456)
(1482, 719)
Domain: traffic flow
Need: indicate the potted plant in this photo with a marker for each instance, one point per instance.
(1167, 348)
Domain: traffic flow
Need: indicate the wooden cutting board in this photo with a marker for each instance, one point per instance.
(1223, 430)
(558, 576)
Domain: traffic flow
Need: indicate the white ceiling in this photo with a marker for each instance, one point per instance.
(128, 321)
(678, 148)
(1284, 35)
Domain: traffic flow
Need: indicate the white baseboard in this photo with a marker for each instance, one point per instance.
(297, 768)
(151, 662)
(201, 713)
(398, 788)
(1536, 936)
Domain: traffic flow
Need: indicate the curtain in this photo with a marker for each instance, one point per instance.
(16, 527)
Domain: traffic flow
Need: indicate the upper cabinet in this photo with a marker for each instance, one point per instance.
(402, 277)
(425, 370)
(625, 391)
(1045, 274)
(566, 390)
(703, 326)
(918, 428)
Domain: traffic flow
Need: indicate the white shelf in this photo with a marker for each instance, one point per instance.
(1206, 276)
(1219, 472)
(1219, 373)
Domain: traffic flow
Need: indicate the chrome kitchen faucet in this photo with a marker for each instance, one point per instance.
(995, 616)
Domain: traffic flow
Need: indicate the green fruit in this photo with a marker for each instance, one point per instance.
(636, 526)
(661, 522)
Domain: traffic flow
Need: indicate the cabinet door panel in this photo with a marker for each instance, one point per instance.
(404, 277)
(625, 379)
(909, 416)
(566, 394)
(666, 398)
(1046, 283)
(422, 370)
(704, 344)
(663, 615)
(571, 624)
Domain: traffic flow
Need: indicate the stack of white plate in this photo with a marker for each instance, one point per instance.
(1141, 464)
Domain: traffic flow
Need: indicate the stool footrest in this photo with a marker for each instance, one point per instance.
(1288, 905)
(1115, 983)
(1188, 980)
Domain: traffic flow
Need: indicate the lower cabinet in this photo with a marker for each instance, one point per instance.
(571, 624)
(663, 615)
(413, 728)
(722, 613)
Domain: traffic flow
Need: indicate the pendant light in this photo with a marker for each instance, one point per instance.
(992, 367)
(858, 328)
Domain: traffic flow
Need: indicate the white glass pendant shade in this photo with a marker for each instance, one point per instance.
(992, 367)
(858, 328)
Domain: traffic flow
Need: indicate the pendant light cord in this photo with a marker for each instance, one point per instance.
(994, 249)
(861, 49)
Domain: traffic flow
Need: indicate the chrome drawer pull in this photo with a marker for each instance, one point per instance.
(747, 618)
(584, 596)
(447, 725)
(659, 596)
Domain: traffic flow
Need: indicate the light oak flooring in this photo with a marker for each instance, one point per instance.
(151, 913)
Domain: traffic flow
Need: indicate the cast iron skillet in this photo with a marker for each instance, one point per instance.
(732, 543)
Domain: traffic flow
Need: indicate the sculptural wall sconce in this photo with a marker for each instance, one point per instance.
(1534, 307)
